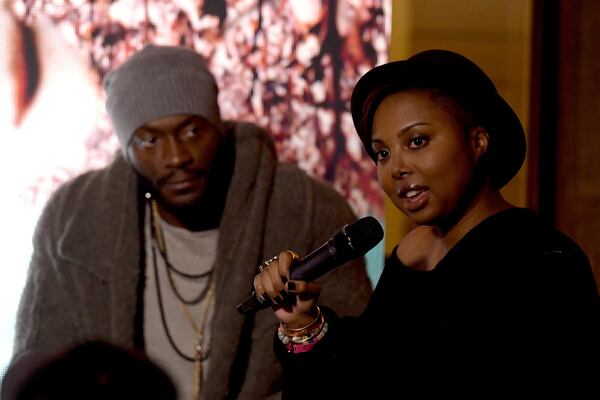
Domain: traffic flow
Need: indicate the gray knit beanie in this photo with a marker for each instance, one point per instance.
(156, 82)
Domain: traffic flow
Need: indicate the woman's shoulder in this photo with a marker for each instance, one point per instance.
(523, 228)
(520, 242)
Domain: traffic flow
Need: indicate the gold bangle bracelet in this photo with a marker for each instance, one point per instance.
(300, 331)
(309, 334)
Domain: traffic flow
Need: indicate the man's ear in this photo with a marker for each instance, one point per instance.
(129, 149)
(479, 141)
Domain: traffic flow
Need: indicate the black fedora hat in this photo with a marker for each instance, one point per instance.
(459, 78)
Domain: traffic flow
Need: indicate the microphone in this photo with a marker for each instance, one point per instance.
(352, 241)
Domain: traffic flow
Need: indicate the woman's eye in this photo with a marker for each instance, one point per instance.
(381, 154)
(417, 142)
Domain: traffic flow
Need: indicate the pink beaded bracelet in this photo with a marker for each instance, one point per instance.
(294, 346)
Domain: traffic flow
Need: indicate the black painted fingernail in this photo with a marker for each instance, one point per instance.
(267, 301)
(286, 296)
(284, 279)
(291, 286)
(278, 300)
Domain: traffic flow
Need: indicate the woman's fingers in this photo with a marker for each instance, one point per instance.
(279, 272)
(303, 287)
(307, 293)
(274, 275)
(290, 296)
(305, 296)
(259, 287)
(285, 259)
(294, 301)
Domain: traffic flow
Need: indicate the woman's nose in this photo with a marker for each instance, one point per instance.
(400, 168)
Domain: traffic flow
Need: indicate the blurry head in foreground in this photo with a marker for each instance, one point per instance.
(93, 371)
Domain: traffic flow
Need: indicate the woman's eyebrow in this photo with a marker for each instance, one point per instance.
(411, 126)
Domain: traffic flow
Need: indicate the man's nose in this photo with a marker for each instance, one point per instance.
(176, 152)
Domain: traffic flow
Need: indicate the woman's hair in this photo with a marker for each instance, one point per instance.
(463, 115)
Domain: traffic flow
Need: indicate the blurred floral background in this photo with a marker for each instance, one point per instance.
(288, 66)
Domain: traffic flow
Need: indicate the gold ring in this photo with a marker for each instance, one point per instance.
(294, 255)
(266, 264)
(262, 267)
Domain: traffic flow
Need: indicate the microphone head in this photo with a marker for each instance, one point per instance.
(357, 238)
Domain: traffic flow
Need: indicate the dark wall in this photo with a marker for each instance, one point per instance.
(565, 141)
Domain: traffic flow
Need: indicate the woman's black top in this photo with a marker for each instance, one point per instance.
(511, 309)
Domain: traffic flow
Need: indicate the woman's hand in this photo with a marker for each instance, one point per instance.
(294, 301)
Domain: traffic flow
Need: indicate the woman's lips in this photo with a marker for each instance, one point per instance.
(414, 197)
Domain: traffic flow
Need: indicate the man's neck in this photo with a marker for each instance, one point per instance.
(199, 217)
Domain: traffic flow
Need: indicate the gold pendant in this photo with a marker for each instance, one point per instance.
(197, 368)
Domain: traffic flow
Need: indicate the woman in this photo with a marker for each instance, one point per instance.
(481, 295)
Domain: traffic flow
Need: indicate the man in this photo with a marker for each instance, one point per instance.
(156, 250)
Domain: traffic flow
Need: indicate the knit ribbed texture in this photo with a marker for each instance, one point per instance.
(156, 82)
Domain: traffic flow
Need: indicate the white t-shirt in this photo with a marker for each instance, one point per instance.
(192, 253)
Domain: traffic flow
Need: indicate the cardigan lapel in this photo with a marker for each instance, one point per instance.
(240, 250)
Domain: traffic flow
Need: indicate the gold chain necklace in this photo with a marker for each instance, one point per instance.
(198, 349)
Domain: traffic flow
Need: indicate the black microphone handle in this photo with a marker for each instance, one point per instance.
(352, 241)
(315, 264)
(252, 304)
(305, 270)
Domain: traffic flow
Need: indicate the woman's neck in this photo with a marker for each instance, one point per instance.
(425, 246)
(486, 203)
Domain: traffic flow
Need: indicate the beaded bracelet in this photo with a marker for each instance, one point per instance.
(300, 340)
(296, 348)
(306, 336)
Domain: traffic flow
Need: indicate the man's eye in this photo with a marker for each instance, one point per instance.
(146, 141)
(192, 132)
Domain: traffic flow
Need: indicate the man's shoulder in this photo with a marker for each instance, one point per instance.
(248, 133)
(302, 196)
(293, 188)
(92, 192)
(290, 176)
(93, 180)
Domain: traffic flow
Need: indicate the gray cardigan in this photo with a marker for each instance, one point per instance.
(85, 269)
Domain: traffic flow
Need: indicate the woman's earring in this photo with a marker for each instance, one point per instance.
(481, 142)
